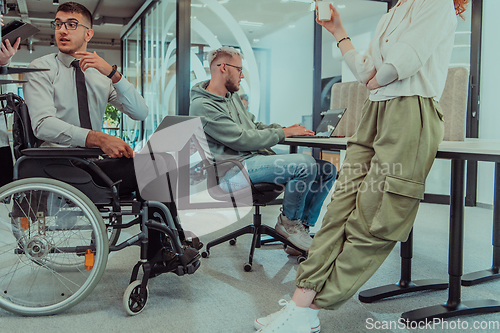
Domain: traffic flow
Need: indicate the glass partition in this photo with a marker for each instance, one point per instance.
(131, 129)
(275, 38)
(159, 63)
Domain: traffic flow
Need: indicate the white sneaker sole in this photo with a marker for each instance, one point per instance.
(259, 326)
(285, 234)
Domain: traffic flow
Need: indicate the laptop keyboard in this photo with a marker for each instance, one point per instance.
(308, 136)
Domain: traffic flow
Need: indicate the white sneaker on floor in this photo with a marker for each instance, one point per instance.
(294, 231)
(312, 315)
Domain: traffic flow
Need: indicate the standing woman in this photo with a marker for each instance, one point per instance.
(381, 181)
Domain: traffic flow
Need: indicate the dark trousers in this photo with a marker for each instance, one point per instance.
(6, 166)
(123, 170)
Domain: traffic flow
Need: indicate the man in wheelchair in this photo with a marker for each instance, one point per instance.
(66, 105)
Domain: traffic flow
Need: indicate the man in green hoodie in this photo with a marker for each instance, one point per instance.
(232, 133)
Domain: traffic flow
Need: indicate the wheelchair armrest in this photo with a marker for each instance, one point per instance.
(62, 152)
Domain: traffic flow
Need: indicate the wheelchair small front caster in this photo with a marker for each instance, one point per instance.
(232, 241)
(133, 302)
(301, 259)
(205, 254)
(247, 267)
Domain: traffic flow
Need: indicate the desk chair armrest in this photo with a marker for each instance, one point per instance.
(63, 152)
(225, 165)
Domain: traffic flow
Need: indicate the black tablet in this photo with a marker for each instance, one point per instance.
(15, 29)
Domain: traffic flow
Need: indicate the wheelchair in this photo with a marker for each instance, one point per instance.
(57, 227)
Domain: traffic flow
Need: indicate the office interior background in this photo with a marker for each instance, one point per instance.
(289, 66)
(161, 47)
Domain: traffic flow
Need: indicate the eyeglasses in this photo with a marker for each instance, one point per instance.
(240, 69)
(70, 25)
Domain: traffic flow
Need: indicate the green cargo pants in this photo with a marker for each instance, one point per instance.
(376, 196)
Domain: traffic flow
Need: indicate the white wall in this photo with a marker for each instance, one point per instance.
(291, 71)
(292, 64)
(489, 120)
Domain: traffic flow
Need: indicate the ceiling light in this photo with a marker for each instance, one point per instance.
(341, 6)
(256, 40)
(198, 5)
(251, 24)
(291, 26)
(55, 2)
(223, 1)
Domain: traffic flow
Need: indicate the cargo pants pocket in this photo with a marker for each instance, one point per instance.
(398, 209)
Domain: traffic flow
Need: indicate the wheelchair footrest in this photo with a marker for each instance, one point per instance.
(190, 268)
(165, 262)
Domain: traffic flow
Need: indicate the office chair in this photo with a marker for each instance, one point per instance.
(261, 195)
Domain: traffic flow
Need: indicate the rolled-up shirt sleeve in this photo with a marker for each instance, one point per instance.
(386, 74)
(127, 99)
(362, 66)
(38, 93)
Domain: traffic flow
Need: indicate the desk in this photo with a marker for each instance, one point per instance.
(458, 153)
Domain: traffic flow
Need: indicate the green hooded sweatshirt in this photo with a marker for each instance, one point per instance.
(230, 129)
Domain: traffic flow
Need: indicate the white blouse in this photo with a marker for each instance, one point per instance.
(416, 38)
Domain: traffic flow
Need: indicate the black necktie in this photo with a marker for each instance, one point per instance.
(81, 93)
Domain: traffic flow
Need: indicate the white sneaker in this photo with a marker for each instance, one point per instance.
(294, 231)
(312, 314)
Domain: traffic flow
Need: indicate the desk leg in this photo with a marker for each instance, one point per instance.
(293, 149)
(493, 273)
(405, 284)
(454, 306)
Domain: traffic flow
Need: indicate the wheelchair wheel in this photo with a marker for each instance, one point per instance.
(53, 246)
(133, 302)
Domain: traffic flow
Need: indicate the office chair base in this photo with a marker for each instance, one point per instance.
(257, 230)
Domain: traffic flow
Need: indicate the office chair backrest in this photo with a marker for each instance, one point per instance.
(454, 103)
(213, 171)
(352, 95)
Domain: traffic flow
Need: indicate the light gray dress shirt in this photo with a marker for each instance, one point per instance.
(53, 105)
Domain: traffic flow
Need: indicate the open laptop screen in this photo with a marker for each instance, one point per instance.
(329, 122)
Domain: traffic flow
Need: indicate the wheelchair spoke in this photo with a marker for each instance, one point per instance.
(42, 227)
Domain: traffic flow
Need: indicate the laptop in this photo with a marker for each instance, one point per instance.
(327, 125)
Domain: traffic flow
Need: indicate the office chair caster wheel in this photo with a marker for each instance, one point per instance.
(301, 259)
(205, 254)
(133, 302)
(247, 267)
(232, 241)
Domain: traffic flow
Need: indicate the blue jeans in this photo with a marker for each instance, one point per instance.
(307, 182)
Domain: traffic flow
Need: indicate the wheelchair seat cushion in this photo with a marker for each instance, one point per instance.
(68, 174)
